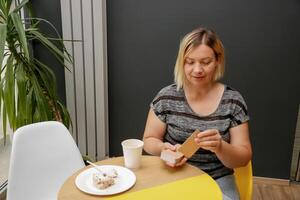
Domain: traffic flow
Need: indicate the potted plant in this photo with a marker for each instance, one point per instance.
(27, 86)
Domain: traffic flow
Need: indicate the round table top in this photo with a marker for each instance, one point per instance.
(152, 176)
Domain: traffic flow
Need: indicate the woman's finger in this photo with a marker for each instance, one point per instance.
(210, 138)
(167, 145)
(182, 162)
(209, 132)
(177, 146)
(213, 146)
(209, 144)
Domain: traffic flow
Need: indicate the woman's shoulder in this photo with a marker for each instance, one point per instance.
(232, 93)
(170, 90)
(166, 95)
(236, 102)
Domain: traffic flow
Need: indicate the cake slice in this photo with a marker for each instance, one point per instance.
(102, 182)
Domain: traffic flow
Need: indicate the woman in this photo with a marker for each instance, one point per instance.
(198, 100)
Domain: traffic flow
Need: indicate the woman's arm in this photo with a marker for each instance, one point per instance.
(153, 135)
(237, 153)
(153, 138)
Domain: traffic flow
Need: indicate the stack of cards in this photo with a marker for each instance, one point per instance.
(170, 156)
(187, 149)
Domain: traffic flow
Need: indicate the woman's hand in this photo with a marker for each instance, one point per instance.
(166, 146)
(210, 140)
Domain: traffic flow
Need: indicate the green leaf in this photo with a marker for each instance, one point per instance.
(48, 82)
(4, 122)
(20, 6)
(9, 92)
(2, 17)
(1, 94)
(65, 115)
(1, 90)
(53, 48)
(21, 105)
(2, 41)
(42, 103)
(6, 6)
(36, 116)
(2, 5)
(47, 70)
(48, 77)
(38, 20)
(29, 106)
(21, 32)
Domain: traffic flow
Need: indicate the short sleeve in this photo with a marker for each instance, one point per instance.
(239, 110)
(158, 108)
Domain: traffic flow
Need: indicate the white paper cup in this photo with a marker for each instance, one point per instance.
(132, 151)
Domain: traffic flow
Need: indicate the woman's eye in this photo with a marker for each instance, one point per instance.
(205, 63)
(190, 62)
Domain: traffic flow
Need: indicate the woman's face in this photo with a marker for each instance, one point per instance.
(200, 65)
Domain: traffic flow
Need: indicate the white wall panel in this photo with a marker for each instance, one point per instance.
(84, 22)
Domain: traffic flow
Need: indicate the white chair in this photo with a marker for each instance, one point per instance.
(43, 156)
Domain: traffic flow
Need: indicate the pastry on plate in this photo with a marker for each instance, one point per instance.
(105, 179)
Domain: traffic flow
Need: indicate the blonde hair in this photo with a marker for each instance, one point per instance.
(190, 42)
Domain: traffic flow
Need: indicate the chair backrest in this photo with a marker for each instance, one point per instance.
(43, 156)
(244, 180)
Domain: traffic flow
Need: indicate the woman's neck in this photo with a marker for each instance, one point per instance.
(199, 92)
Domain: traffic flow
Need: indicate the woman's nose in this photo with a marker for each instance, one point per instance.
(198, 68)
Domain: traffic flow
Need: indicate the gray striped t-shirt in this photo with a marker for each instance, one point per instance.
(171, 107)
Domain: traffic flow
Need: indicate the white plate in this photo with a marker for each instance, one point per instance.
(125, 180)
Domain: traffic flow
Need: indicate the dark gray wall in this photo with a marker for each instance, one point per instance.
(263, 55)
(50, 10)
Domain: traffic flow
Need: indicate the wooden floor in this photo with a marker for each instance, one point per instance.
(262, 191)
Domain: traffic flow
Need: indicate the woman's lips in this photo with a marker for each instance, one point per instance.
(198, 77)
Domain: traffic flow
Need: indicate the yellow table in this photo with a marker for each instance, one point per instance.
(154, 181)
